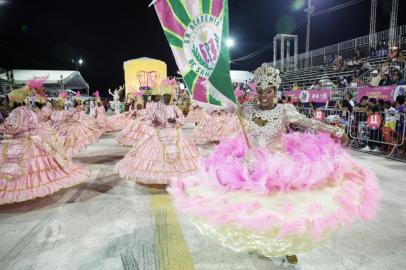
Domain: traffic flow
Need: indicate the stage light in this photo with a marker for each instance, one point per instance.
(230, 42)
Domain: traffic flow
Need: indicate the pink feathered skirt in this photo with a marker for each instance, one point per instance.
(31, 168)
(159, 158)
(277, 203)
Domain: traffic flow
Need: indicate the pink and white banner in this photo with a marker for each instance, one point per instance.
(387, 93)
(318, 96)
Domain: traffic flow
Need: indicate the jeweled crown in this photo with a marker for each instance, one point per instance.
(266, 76)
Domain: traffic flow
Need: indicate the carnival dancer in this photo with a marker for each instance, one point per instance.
(44, 122)
(30, 167)
(164, 155)
(195, 115)
(76, 134)
(284, 193)
(102, 120)
(92, 108)
(85, 118)
(137, 130)
(207, 129)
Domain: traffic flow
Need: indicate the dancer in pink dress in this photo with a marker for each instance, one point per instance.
(88, 120)
(30, 167)
(137, 130)
(277, 194)
(44, 122)
(206, 130)
(109, 124)
(164, 155)
(195, 115)
(77, 135)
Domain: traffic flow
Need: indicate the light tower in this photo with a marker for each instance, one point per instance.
(309, 10)
(393, 23)
(372, 25)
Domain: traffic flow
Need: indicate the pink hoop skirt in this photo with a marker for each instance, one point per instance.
(134, 133)
(31, 168)
(50, 134)
(194, 116)
(215, 128)
(279, 203)
(204, 131)
(77, 136)
(91, 123)
(159, 158)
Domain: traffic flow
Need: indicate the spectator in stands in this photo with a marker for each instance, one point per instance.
(372, 102)
(313, 86)
(392, 55)
(330, 60)
(390, 119)
(385, 67)
(400, 108)
(296, 86)
(343, 82)
(360, 120)
(363, 104)
(355, 82)
(338, 63)
(400, 104)
(358, 55)
(385, 81)
(396, 77)
(348, 103)
(375, 79)
(374, 134)
(364, 68)
(381, 104)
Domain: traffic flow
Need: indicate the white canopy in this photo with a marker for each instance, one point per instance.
(241, 76)
(70, 79)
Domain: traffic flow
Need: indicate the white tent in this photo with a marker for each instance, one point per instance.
(241, 76)
(56, 79)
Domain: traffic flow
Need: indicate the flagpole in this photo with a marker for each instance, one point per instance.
(239, 115)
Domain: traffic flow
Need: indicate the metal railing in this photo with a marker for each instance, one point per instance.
(378, 133)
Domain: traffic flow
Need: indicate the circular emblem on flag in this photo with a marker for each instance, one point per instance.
(319, 115)
(202, 44)
(374, 121)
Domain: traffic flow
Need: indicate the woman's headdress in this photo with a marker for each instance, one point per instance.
(167, 86)
(266, 76)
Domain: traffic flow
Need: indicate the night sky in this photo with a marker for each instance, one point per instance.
(47, 34)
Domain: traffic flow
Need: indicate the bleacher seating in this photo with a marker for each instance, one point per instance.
(308, 75)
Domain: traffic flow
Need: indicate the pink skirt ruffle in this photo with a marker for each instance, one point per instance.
(31, 169)
(50, 134)
(215, 128)
(194, 116)
(296, 197)
(91, 123)
(134, 133)
(77, 136)
(150, 161)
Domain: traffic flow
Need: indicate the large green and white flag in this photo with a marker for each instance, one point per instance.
(196, 31)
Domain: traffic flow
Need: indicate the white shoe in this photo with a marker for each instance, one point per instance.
(376, 149)
(366, 148)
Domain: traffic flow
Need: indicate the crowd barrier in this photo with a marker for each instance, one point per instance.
(377, 133)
